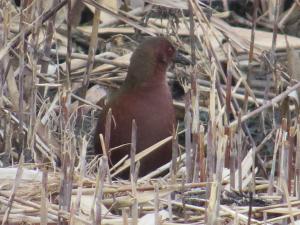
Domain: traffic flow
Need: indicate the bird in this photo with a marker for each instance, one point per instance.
(146, 98)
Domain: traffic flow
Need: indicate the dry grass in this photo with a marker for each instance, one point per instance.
(243, 161)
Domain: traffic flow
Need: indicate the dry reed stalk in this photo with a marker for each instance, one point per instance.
(102, 173)
(44, 191)
(170, 205)
(174, 165)
(187, 126)
(90, 60)
(86, 102)
(105, 150)
(156, 205)
(21, 79)
(239, 151)
(14, 190)
(219, 169)
(250, 66)
(195, 126)
(118, 164)
(81, 166)
(31, 139)
(183, 199)
(272, 60)
(120, 17)
(49, 36)
(133, 173)
(202, 160)
(134, 206)
(228, 162)
(268, 104)
(68, 154)
(297, 161)
(211, 141)
(7, 137)
(97, 58)
(125, 217)
(142, 154)
(69, 50)
(221, 103)
(107, 130)
(193, 103)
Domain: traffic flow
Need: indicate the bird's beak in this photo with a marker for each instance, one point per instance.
(178, 58)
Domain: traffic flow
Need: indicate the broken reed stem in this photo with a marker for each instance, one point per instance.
(219, 170)
(106, 148)
(142, 154)
(134, 207)
(71, 165)
(194, 167)
(183, 198)
(232, 156)
(187, 125)
(69, 47)
(82, 149)
(211, 148)
(253, 28)
(252, 187)
(192, 35)
(202, 161)
(156, 204)
(239, 151)
(297, 162)
(23, 48)
(64, 126)
(250, 67)
(291, 154)
(272, 60)
(7, 137)
(14, 189)
(125, 217)
(228, 162)
(90, 60)
(49, 36)
(133, 150)
(169, 198)
(44, 191)
(34, 81)
(107, 132)
(272, 173)
(282, 163)
(103, 171)
(175, 148)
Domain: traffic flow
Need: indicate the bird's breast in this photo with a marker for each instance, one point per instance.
(152, 111)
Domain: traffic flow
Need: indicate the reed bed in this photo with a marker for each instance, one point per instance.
(237, 145)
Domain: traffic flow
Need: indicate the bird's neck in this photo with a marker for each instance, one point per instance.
(145, 77)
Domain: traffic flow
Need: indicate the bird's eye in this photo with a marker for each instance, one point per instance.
(170, 50)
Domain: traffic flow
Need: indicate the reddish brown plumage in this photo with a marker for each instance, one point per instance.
(145, 97)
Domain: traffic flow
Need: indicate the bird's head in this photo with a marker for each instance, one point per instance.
(150, 60)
